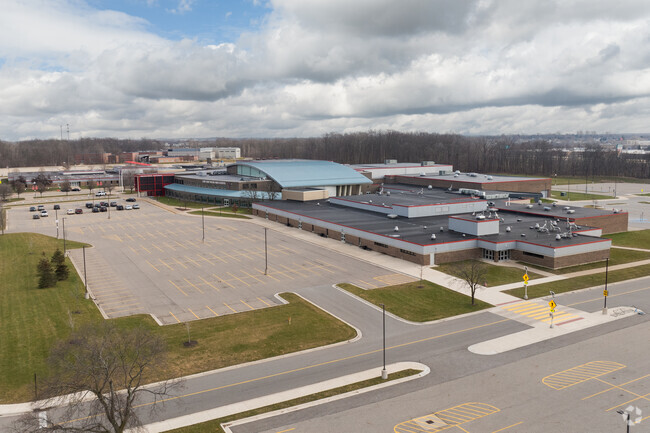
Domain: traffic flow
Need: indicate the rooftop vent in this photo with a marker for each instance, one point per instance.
(392, 216)
(558, 237)
(547, 208)
(489, 178)
(566, 208)
(430, 187)
(571, 211)
(508, 229)
(529, 206)
(396, 229)
(433, 237)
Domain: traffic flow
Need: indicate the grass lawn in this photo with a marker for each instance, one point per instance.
(634, 239)
(215, 425)
(15, 199)
(565, 180)
(33, 318)
(419, 301)
(576, 196)
(219, 214)
(170, 201)
(496, 275)
(617, 256)
(583, 282)
(644, 195)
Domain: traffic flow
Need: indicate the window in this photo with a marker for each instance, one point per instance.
(504, 255)
(539, 256)
(381, 245)
(488, 254)
(410, 253)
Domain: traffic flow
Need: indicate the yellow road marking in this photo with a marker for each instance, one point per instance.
(285, 431)
(175, 317)
(246, 304)
(193, 313)
(165, 264)
(181, 245)
(535, 311)
(368, 284)
(506, 428)
(132, 249)
(238, 279)
(609, 296)
(193, 285)
(581, 373)
(180, 263)
(453, 417)
(613, 387)
(559, 316)
(231, 309)
(521, 309)
(215, 314)
(277, 271)
(179, 289)
(157, 247)
(253, 276)
(223, 281)
(231, 256)
(209, 284)
(292, 270)
(144, 248)
(309, 367)
(169, 246)
(267, 304)
(218, 258)
(267, 275)
(152, 266)
(205, 259)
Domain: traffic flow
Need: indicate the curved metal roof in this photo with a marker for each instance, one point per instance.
(213, 192)
(290, 173)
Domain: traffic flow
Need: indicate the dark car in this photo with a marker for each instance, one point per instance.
(103, 209)
(41, 207)
(89, 205)
(76, 188)
(130, 199)
(32, 208)
(36, 216)
(57, 207)
(113, 204)
(120, 207)
(95, 210)
(97, 205)
(78, 210)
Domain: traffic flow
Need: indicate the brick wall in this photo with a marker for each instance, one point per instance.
(455, 256)
(614, 223)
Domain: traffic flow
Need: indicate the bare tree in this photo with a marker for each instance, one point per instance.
(472, 272)
(128, 179)
(66, 187)
(91, 185)
(2, 218)
(19, 187)
(41, 187)
(108, 364)
(109, 188)
(5, 191)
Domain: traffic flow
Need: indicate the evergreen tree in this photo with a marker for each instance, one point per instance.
(47, 278)
(60, 268)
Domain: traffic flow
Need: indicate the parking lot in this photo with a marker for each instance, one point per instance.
(153, 261)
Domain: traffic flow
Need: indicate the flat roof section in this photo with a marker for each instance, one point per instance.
(558, 211)
(419, 230)
(410, 198)
(481, 179)
(213, 192)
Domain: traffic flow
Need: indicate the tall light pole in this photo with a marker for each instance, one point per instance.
(605, 293)
(384, 373)
(266, 254)
(56, 220)
(85, 275)
(203, 223)
(627, 418)
(63, 219)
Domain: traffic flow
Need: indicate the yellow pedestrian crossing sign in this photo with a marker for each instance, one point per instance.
(526, 277)
(605, 292)
(552, 304)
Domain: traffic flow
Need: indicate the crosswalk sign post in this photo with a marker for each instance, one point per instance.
(552, 304)
(525, 277)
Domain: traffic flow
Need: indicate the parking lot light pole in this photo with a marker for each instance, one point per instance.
(627, 418)
(63, 219)
(266, 254)
(384, 373)
(203, 223)
(85, 275)
(56, 220)
(605, 292)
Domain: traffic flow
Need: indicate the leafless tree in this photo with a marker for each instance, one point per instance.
(2, 218)
(41, 187)
(91, 185)
(109, 188)
(5, 191)
(472, 272)
(252, 194)
(128, 179)
(66, 187)
(98, 379)
(19, 187)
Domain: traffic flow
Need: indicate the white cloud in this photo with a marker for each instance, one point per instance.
(475, 66)
(183, 7)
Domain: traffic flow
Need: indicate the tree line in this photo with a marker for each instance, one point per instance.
(498, 155)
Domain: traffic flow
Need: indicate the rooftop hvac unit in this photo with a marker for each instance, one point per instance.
(396, 229)
(508, 229)
(388, 193)
(429, 186)
(433, 237)
(457, 172)
(558, 237)
(546, 208)
(456, 175)
(529, 206)
(425, 163)
(480, 217)
(391, 216)
(390, 161)
(566, 208)
(571, 211)
(489, 178)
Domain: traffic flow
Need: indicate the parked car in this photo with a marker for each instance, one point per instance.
(95, 210)
(57, 207)
(120, 207)
(100, 194)
(136, 206)
(113, 204)
(41, 207)
(76, 188)
(78, 210)
(36, 216)
(70, 212)
(130, 199)
(129, 207)
(44, 213)
(89, 205)
(103, 209)
(97, 205)
(32, 208)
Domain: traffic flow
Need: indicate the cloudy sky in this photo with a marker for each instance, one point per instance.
(286, 68)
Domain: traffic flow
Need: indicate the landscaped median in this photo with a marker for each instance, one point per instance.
(582, 282)
(219, 214)
(32, 319)
(419, 301)
(494, 275)
(215, 424)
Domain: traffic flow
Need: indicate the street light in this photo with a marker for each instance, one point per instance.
(627, 418)
(266, 254)
(63, 219)
(203, 223)
(384, 373)
(605, 292)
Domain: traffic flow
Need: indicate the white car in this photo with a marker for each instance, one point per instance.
(100, 194)
(70, 212)
(136, 206)
(128, 207)
(44, 213)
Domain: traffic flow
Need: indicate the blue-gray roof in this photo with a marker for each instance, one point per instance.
(290, 173)
(213, 192)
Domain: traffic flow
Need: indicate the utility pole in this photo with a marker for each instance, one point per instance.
(266, 253)
(384, 373)
(203, 223)
(63, 219)
(85, 275)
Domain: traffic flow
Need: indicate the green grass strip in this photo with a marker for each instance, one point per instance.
(495, 275)
(219, 214)
(633, 239)
(215, 425)
(570, 284)
(419, 301)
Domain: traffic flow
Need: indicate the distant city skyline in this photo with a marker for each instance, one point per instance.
(296, 68)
